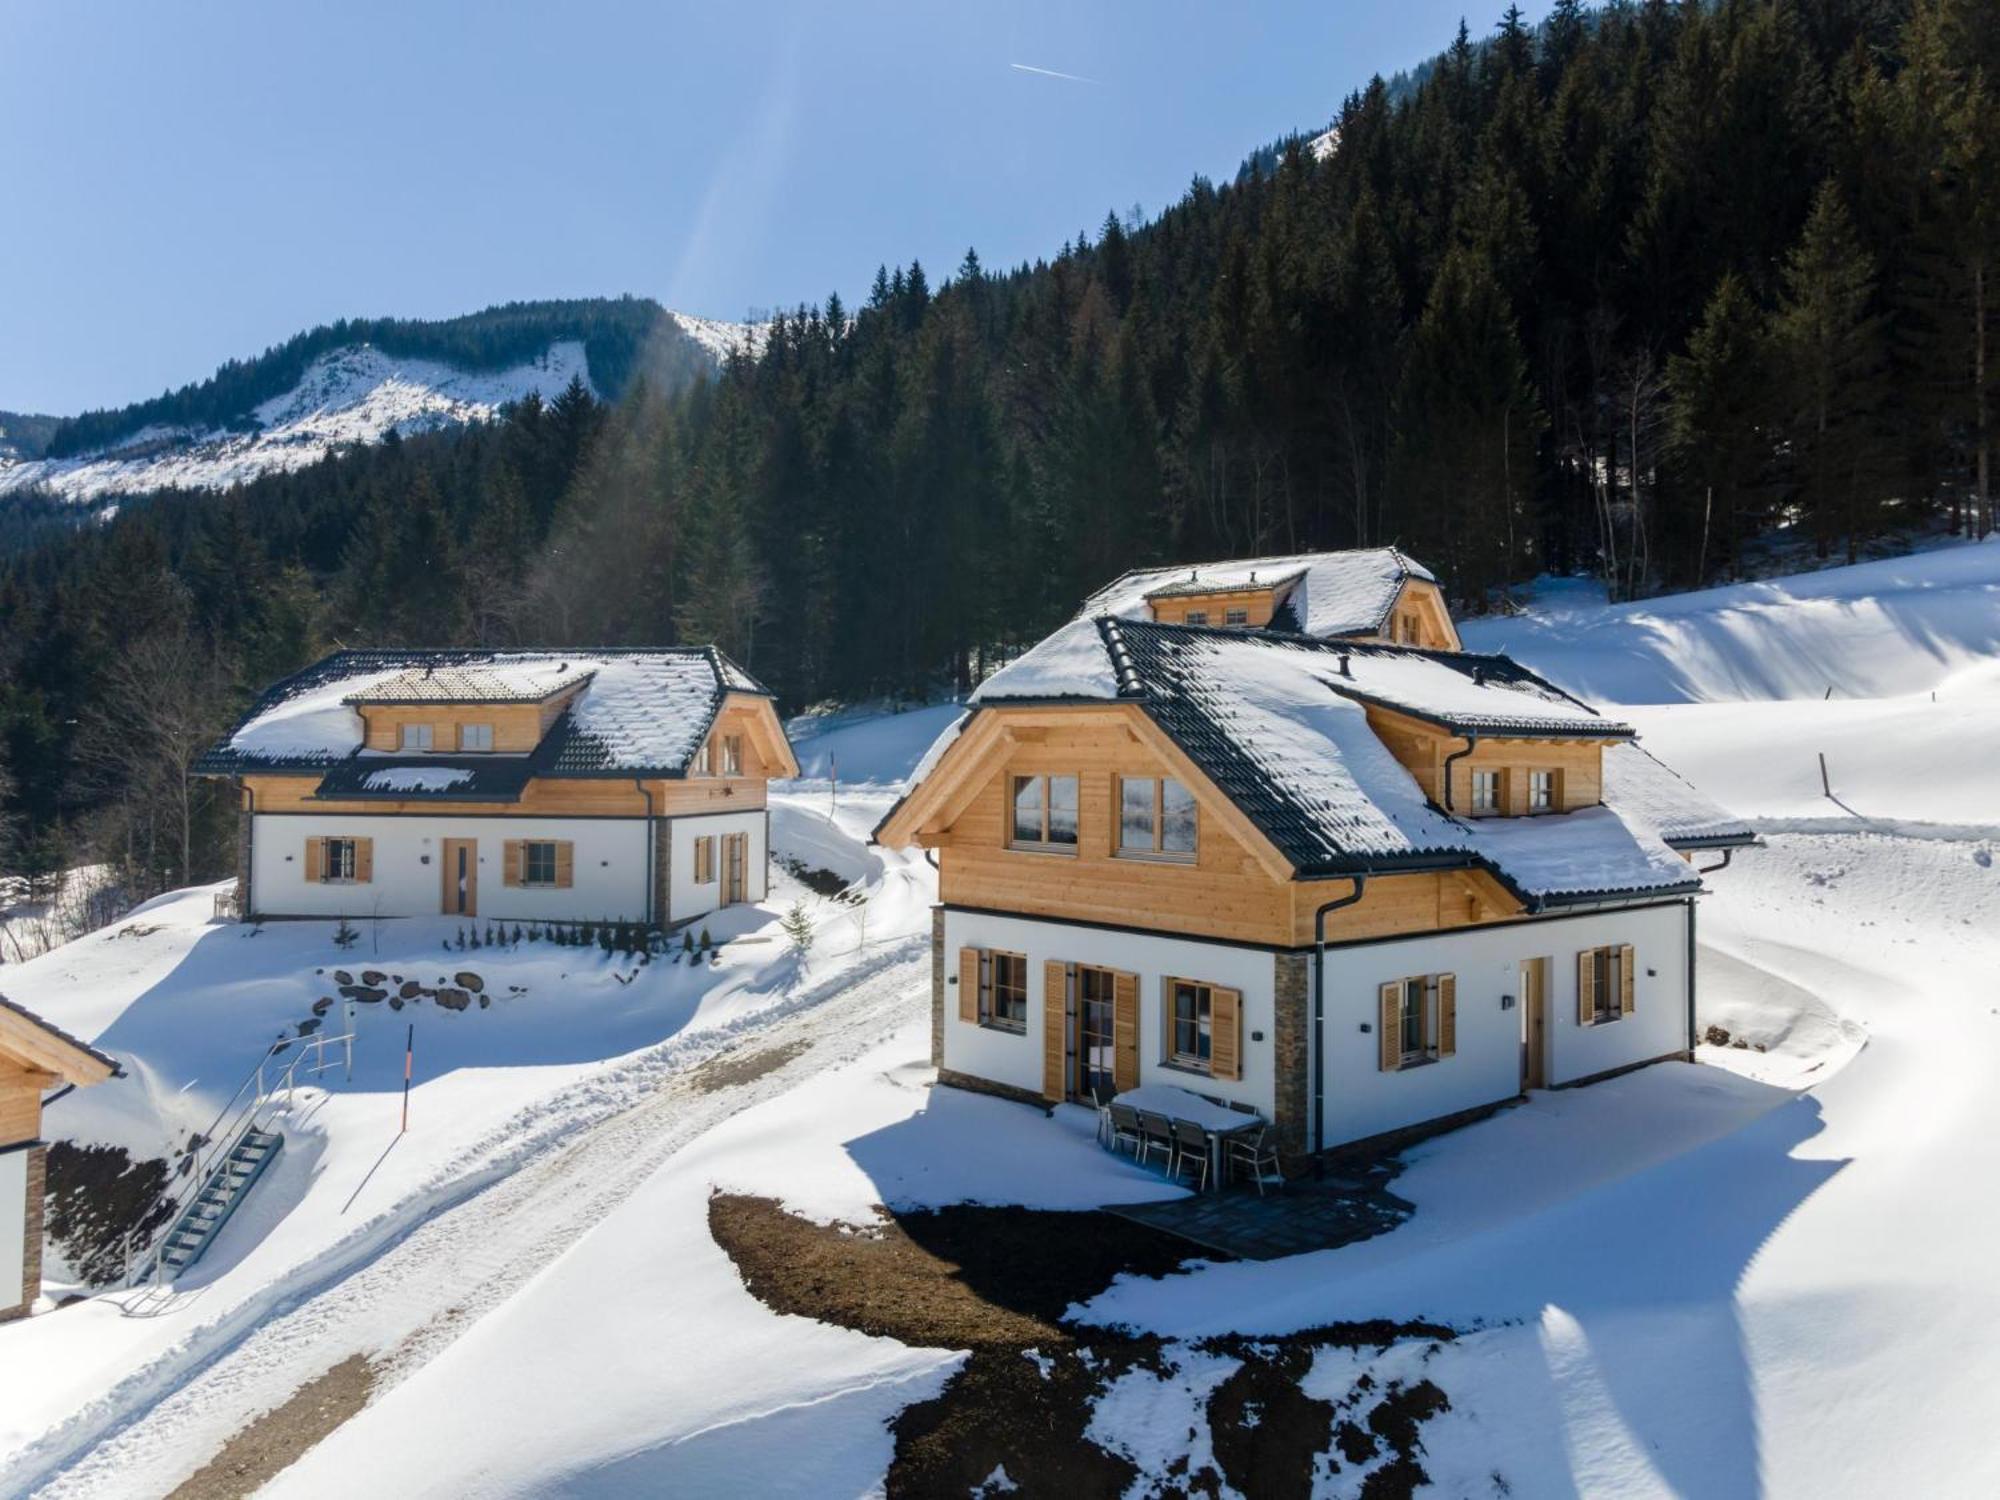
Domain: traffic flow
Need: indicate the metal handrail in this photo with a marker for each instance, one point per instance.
(219, 1140)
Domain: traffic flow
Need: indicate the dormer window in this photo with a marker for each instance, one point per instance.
(416, 737)
(1541, 791)
(732, 755)
(1486, 791)
(1195, 617)
(1236, 615)
(704, 759)
(476, 737)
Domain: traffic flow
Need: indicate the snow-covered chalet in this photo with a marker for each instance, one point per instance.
(1264, 830)
(626, 785)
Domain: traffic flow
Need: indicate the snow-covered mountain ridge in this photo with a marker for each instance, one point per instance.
(352, 395)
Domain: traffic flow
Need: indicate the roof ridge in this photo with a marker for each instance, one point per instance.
(1112, 629)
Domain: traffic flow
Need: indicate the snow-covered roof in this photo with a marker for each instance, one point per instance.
(1647, 790)
(638, 710)
(505, 679)
(1321, 593)
(416, 779)
(1277, 726)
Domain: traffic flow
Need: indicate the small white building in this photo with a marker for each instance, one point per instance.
(583, 785)
(1262, 830)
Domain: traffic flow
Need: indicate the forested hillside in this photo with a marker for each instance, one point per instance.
(1615, 296)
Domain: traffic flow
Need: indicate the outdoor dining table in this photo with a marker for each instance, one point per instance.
(1219, 1120)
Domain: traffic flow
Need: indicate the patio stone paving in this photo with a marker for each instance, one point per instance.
(1312, 1213)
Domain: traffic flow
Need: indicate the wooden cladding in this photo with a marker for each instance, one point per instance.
(1124, 1031)
(540, 864)
(704, 859)
(968, 986)
(1250, 607)
(340, 861)
(1575, 766)
(1225, 1057)
(578, 798)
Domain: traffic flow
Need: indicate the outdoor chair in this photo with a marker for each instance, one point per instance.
(1101, 1095)
(1190, 1144)
(1125, 1132)
(1256, 1151)
(1156, 1133)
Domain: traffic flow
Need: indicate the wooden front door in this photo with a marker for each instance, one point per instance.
(735, 865)
(1534, 1023)
(461, 877)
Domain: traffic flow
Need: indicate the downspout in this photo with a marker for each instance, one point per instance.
(1319, 1015)
(1471, 744)
(245, 900)
(1721, 864)
(1691, 1020)
(651, 834)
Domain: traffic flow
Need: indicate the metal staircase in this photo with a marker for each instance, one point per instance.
(235, 1151)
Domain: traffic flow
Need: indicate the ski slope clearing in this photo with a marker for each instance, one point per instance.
(347, 396)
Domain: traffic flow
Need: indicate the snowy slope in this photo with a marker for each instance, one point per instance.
(349, 396)
(723, 339)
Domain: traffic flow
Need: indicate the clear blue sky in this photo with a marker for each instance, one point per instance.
(191, 182)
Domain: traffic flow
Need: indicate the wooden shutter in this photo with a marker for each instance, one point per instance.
(514, 861)
(315, 859)
(1586, 986)
(1055, 1028)
(1225, 1033)
(1389, 1025)
(364, 861)
(968, 986)
(565, 864)
(1125, 1031)
(1447, 1014)
(1625, 980)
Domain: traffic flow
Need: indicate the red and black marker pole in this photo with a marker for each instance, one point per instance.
(409, 1054)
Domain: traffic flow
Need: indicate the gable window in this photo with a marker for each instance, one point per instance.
(1541, 791)
(1236, 616)
(1485, 791)
(416, 737)
(704, 759)
(732, 755)
(704, 859)
(1417, 1018)
(538, 863)
(1003, 991)
(1407, 629)
(475, 737)
(1195, 617)
(1045, 812)
(1604, 990)
(1156, 818)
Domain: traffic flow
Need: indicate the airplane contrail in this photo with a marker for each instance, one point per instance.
(1052, 73)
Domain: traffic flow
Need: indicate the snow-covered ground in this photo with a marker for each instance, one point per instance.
(721, 338)
(1768, 1275)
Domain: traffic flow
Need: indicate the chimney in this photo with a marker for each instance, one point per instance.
(1345, 670)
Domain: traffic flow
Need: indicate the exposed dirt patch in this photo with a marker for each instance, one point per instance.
(735, 1069)
(96, 1196)
(258, 1453)
(997, 1282)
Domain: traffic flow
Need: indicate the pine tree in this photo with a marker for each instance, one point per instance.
(1718, 393)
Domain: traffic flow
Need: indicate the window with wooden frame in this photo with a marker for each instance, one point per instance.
(475, 737)
(416, 737)
(732, 755)
(1486, 790)
(1195, 617)
(704, 760)
(539, 864)
(1542, 791)
(704, 859)
(1003, 990)
(1409, 629)
(1604, 988)
(1203, 1023)
(1236, 615)
(340, 861)
(1044, 815)
(1416, 1020)
(1156, 818)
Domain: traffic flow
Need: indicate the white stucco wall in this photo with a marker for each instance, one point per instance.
(609, 875)
(1361, 1100)
(1005, 1057)
(685, 899)
(13, 1226)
